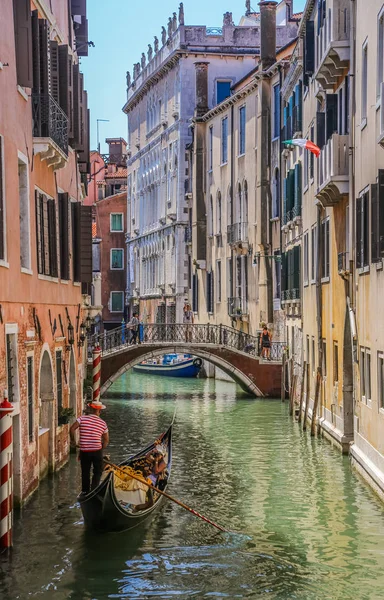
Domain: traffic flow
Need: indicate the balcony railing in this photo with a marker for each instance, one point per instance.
(288, 295)
(237, 232)
(343, 262)
(333, 171)
(50, 121)
(333, 43)
(237, 307)
(214, 31)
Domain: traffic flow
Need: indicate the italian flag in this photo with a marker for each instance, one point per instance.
(303, 143)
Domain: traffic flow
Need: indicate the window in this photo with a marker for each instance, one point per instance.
(313, 353)
(59, 382)
(306, 264)
(210, 217)
(380, 379)
(325, 261)
(335, 362)
(218, 280)
(63, 210)
(276, 195)
(117, 302)
(312, 157)
(313, 253)
(117, 258)
(223, 90)
(30, 396)
(2, 201)
(224, 140)
(307, 352)
(117, 222)
(242, 130)
(362, 230)
(210, 292)
(23, 46)
(362, 372)
(276, 111)
(364, 82)
(277, 290)
(11, 356)
(24, 215)
(305, 169)
(368, 374)
(324, 359)
(218, 215)
(210, 165)
(380, 53)
(195, 293)
(365, 374)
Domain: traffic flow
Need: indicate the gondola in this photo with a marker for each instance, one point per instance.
(108, 508)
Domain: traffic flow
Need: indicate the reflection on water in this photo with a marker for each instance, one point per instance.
(309, 528)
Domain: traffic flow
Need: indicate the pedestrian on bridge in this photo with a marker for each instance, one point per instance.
(134, 326)
(94, 437)
(188, 321)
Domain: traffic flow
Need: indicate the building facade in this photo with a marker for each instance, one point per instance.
(236, 194)
(161, 102)
(45, 241)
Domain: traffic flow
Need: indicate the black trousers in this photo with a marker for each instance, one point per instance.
(87, 459)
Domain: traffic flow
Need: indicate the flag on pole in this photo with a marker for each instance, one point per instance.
(303, 143)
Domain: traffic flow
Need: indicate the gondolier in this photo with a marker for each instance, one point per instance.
(94, 437)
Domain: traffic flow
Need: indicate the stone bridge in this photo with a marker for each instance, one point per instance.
(238, 354)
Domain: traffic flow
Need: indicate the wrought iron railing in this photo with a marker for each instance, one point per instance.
(287, 217)
(237, 232)
(163, 333)
(237, 307)
(49, 120)
(115, 159)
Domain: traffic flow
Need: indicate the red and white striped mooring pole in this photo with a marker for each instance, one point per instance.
(96, 373)
(6, 471)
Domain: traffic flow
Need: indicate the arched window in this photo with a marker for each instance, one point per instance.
(239, 205)
(218, 214)
(229, 207)
(245, 202)
(276, 194)
(210, 216)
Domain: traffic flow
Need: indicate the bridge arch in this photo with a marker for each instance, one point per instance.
(117, 363)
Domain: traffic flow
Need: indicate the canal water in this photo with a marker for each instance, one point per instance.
(309, 528)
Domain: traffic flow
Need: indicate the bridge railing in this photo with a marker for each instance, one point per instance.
(168, 333)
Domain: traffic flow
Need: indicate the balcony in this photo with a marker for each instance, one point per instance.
(333, 44)
(237, 233)
(333, 173)
(290, 295)
(50, 130)
(237, 307)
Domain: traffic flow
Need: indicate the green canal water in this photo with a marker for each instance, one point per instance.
(310, 528)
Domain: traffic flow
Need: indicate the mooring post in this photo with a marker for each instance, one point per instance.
(302, 391)
(96, 372)
(6, 468)
(308, 391)
(283, 379)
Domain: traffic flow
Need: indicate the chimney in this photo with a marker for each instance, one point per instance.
(268, 33)
(201, 99)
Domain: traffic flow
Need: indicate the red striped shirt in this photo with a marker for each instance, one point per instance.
(91, 431)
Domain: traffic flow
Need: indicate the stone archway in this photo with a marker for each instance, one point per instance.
(46, 421)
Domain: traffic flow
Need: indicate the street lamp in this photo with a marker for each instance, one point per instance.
(98, 141)
(71, 336)
(83, 335)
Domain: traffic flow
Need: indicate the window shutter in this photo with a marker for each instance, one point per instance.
(36, 52)
(86, 244)
(309, 48)
(79, 8)
(77, 101)
(64, 235)
(45, 233)
(84, 154)
(2, 251)
(285, 193)
(296, 268)
(320, 129)
(331, 115)
(297, 190)
(358, 233)
(380, 194)
(291, 190)
(195, 293)
(284, 272)
(375, 224)
(44, 57)
(65, 85)
(75, 218)
(23, 42)
(208, 281)
(54, 69)
(51, 209)
(39, 229)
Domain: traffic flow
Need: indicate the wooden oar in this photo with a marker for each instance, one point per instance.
(155, 489)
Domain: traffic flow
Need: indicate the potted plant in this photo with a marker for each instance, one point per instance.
(65, 414)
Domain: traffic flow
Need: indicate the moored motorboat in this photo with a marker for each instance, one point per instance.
(171, 365)
(111, 506)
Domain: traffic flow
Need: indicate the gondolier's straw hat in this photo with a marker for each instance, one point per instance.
(97, 405)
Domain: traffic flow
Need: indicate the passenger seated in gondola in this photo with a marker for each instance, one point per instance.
(146, 471)
(157, 465)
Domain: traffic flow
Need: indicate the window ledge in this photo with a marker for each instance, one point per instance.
(363, 124)
(116, 230)
(379, 265)
(381, 411)
(325, 279)
(306, 188)
(64, 281)
(224, 164)
(274, 219)
(363, 270)
(378, 103)
(313, 281)
(117, 269)
(77, 283)
(48, 278)
(306, 283)
(241, 155)
(26, 271)
(22, 92)
(4, 263)
(210, 171)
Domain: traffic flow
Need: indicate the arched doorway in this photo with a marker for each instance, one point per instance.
(46, 422)
(72, 385)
